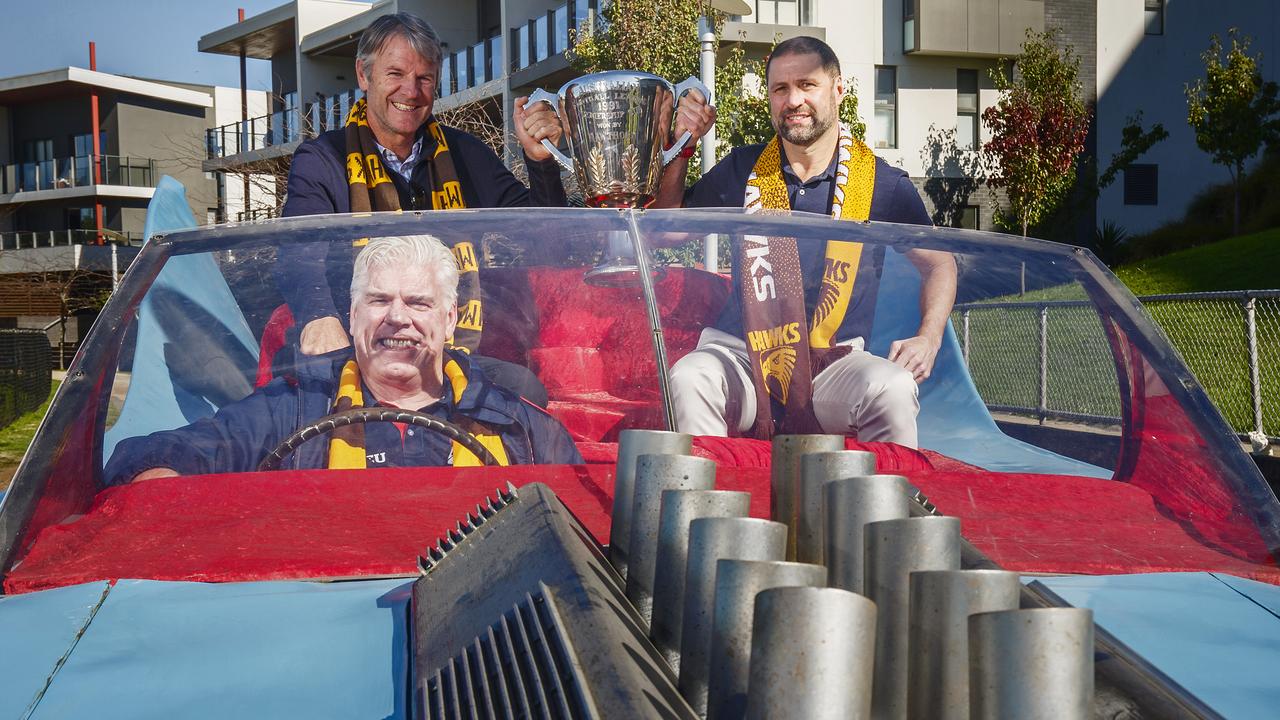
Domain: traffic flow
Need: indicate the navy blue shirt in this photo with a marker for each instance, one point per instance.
(893, 199)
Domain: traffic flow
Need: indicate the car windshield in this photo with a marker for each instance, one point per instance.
(1053, 395)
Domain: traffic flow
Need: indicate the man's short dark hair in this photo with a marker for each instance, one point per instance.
(805, 45)
(420, 36)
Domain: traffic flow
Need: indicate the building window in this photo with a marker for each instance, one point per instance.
(969, 218)
(1142, 184)
(908, 25)
(886, 119)
(1153, 12)
(967, 109)
(37, 150)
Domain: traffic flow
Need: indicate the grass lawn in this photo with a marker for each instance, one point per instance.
(1248, 262)
(1210, 336)
(15, 438)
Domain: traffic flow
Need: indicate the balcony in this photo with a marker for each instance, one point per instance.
(968, 28)
(78, 171)
(777, 12)
(471, 67)
(548, 35)
(32, 239)
(282, 127)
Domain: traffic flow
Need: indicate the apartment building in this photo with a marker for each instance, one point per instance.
(920, 68)
(72, 209)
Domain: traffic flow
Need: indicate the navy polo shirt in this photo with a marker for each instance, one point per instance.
(387, 445)
(893, 199)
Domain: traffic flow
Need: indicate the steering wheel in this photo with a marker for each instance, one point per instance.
(329, 423)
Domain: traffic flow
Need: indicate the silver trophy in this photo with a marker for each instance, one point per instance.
(617, 124)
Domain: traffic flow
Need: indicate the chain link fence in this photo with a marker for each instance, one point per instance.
(1052, 360)
(25, 372)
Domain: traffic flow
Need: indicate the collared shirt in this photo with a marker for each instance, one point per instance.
(403, 168)
(812, 195)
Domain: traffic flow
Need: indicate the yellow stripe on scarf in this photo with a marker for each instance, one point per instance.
(342, 454)
(851, 200)
(462, 457)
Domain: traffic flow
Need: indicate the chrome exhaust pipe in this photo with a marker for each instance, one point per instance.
(816, 470)
(632, 444)
(941, 602)
(654, 475)
(679, 508)
(1033, 664)
(812, 653)
(895, 549)
(849, 505)
(784, 479)
(737, 584)
(711, 540)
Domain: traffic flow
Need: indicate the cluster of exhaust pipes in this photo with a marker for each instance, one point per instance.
(841, 606)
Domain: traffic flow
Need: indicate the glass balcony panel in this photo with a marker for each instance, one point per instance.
(521, 60)
(562, 29)
(446, 76)
(463, 65)
(479, 64)
(541, 51)
(495, 57)
(787, 12)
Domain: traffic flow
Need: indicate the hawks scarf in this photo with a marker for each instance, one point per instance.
(773, 314)
(346, 446)
(371, 188)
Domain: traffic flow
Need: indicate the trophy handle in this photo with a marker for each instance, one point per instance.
(690, 83)
(553, 100)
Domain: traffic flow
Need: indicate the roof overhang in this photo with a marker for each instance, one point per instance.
(262, 36)
(74, 80)
(341, 37)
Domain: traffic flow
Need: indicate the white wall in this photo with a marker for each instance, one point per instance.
(1148, 73)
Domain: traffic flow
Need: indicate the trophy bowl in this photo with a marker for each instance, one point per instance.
(618, 124)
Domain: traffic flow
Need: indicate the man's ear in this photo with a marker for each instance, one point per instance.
(451, 320)
(360, 76)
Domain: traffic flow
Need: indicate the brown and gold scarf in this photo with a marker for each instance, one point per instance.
(371, 188)
(347, 448)
(773, 314)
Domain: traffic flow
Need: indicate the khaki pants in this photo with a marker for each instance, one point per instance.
(860, 394)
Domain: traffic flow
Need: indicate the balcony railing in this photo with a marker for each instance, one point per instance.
(30, 239)
(778, 12)
(77, 171)
(281, 127)
(548, 35)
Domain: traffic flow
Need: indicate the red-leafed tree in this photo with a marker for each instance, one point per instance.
(1038, 130)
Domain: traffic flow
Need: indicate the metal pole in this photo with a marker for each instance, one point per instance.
(115, 267)
(1255, 375)
(938, 639)
(965, 318)
(245, 143)
(784, 479)
(631, 445)
(712, 540)
(656, 474)
(679, 509)
(816, 470)
(1035, 664)
(1044, 362)
(812, 651)
(894, 550)
(707, 37)
(737, 584)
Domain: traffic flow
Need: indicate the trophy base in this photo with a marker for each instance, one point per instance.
(618, 275)
(620, 200)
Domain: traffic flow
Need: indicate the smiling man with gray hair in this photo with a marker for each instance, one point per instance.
(403, 312)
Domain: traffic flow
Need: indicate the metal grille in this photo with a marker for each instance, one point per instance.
(25, 372)
(519, 668)
(1052, 359)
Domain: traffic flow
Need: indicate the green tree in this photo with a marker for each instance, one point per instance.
(625, 39)
(1038, 129)
(1232, 110)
